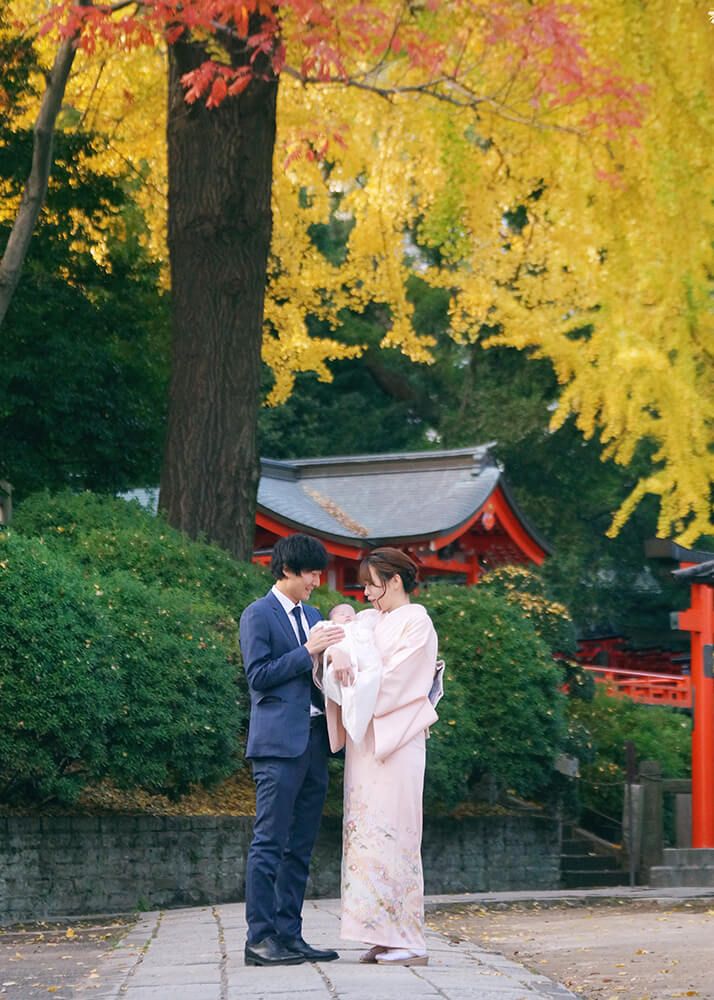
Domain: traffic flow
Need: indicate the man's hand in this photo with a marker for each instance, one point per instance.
(320, 638)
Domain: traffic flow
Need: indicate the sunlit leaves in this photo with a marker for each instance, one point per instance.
(547, 165)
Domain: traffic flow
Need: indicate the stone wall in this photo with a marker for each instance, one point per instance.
(81, 865)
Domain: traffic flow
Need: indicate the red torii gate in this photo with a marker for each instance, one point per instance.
(697, 568)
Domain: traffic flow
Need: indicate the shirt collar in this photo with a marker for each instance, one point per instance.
(285, 602)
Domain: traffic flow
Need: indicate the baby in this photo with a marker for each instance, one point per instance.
(342, 614)
(351, 668)
(356, 646)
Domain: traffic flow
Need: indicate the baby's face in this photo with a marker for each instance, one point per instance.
(342, 614)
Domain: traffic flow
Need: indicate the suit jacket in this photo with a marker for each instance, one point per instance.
(279, 671)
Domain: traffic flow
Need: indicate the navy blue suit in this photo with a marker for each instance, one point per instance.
(289, 754)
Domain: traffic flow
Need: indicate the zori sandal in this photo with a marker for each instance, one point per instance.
(400, 956)
(370, 957)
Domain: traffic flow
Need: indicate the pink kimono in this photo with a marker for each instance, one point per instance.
(382, 881)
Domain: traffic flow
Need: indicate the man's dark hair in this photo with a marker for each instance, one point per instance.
(298, 553)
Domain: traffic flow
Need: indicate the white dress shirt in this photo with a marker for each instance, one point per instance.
(288, 606)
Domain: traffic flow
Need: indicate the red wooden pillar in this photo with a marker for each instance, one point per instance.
(697, 569)
(474, 571)
(698, 619)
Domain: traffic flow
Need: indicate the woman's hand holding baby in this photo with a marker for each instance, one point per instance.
(342, 667)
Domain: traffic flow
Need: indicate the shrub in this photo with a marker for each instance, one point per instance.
(138, 664)
(106, 534)
(502, 712)
(56, 695)
(658, 733)
(174, 659)
(525, 587)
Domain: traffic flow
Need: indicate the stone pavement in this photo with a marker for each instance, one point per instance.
(197, 954)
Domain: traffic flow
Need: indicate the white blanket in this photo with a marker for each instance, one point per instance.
(358, 700)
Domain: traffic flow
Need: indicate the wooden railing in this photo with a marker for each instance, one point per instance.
(651, 689)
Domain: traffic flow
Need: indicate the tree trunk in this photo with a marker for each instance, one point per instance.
(33, 196)
(220, 179)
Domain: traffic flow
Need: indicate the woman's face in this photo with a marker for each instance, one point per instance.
(384, 595)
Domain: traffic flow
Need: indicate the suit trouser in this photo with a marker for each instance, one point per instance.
(290, 794)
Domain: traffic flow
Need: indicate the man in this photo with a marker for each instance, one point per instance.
(288, 747)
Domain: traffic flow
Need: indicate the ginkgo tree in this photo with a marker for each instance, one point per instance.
(597, 257)
(483, 145)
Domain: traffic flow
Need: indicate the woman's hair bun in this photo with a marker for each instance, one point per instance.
(388, 562)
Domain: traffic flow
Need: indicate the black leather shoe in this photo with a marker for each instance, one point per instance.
(270, 951)
(309, 954)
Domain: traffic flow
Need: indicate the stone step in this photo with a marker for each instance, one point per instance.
(586, 862)
(589, 863)
(593, 880)
(688, 856)
(575, 845)
(671, 877)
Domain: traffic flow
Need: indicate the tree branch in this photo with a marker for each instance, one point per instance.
(33, 196)
(459, 96)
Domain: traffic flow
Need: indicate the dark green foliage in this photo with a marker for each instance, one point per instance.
(662, 734)
(178, 715)
(56, 695)
(527, 587)
(85, 342)
(502, 713)
(118, 651)
(367, 408)
(106, 534)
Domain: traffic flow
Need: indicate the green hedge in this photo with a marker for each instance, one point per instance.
(118, 651)
(106, 534)
(552, 622)
(502, 714)
(56, 692)
(140, 677)
(180, 711)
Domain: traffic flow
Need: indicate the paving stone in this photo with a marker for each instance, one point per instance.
(179, 955)
(195, 992)
(241, 994)
(279, 979)
(149, 974)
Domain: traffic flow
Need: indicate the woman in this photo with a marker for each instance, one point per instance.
(382, 881)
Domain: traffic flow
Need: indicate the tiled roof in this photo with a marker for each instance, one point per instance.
(375, 498)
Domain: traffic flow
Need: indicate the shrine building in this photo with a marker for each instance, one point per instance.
(451, 511)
